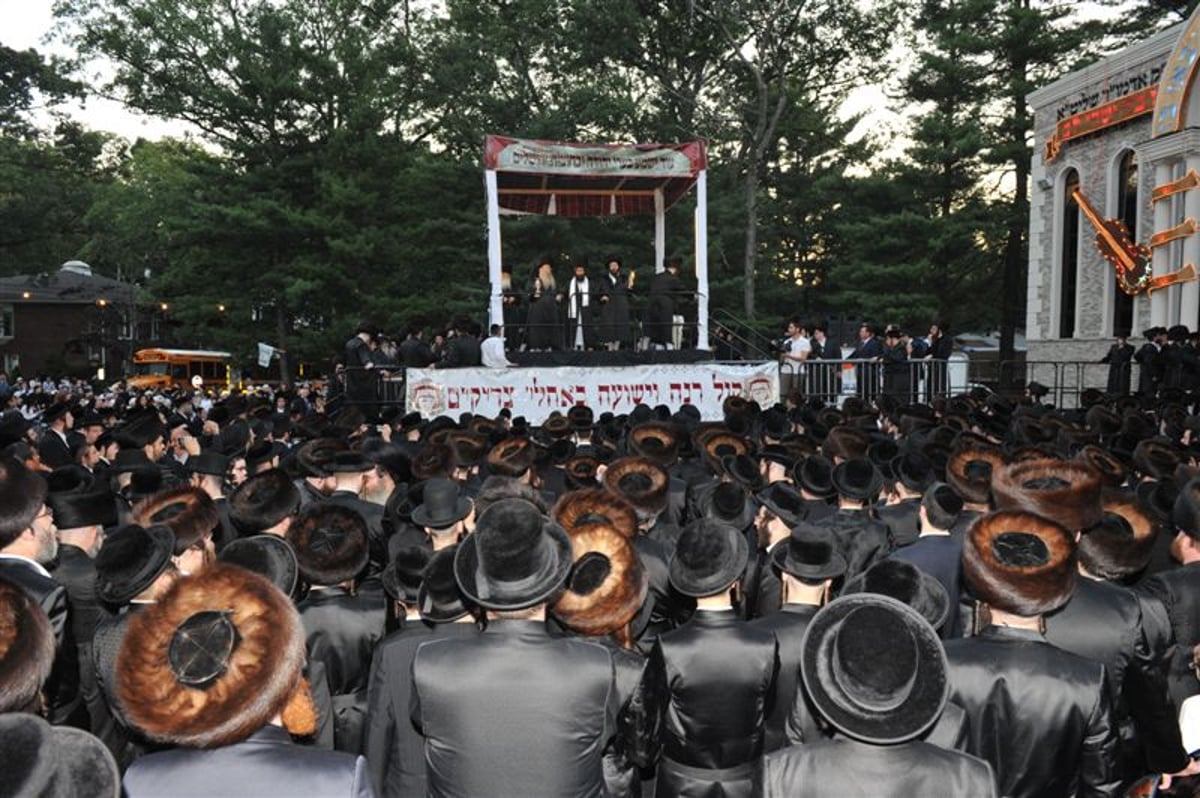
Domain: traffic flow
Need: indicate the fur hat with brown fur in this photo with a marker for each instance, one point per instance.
(189, 512)
(511, 457)
(1066, 492)
(641, 482)
(607, 583)
(969, 471)
(246, 683)
(331, 543)
(26, 649)
(1120, 546)
(596, 505)
(1019, 563)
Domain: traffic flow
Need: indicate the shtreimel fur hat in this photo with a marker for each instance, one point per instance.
(1066, 492)
(1019, 563)
(214, 661)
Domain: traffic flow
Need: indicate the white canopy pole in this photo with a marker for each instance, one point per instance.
(702, 260)
(496, 305)
(660, 231)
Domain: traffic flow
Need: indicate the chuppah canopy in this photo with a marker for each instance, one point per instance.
(525, 176)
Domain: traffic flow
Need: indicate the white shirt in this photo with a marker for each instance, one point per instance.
(799, 346)
(492, 353)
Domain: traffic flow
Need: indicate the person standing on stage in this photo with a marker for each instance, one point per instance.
(941, 346)
(514, 310)
(615, 288)
(869, 348)
(1120, 362)
(581, 319)
(794, 351)
(544, 331)
(897, 381)
(661, 310)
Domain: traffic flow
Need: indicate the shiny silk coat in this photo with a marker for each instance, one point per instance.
(266, 765)
(395, 750)
(1038, 714)
(1103, 622)
(711, 683)
(1178, 593)
(852, 769)
(341, 631)
(513, 711)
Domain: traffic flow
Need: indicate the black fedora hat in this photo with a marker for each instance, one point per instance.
(857, 479)
(439, 598)
(810, 553)
(904, 582)
(814, 474)
(709, 557)
(730, 503)
(875, 669)
(210, 463)
(54, 761)
(441, 506)
(79, 510)
(516, 558)
(783, 501)
(402, 577)
(913, 470)
(743, 469)
(130, 560)
(267, 555)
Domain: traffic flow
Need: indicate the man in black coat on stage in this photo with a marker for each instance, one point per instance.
(1149, 358)
(514, 711)
(665, 292)
(1119, 358)
(869, 348)
(462, 349)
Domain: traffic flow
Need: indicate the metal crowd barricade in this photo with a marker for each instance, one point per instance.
(373, 389)
(833, 381)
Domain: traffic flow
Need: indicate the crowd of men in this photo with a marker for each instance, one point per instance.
(254, 596)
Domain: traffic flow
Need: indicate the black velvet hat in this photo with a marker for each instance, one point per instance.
(348, 462)
(810, 553)
(815, 475)
(130, 560)
(210, 463)
(516, 558)
(55, 411)
(1185, 511)
(904, 582)
(439, 598)
(267, 555)
(141, 430)
(730, 503)
(783, 501)
(78, 510)
(331, 543)
(875, 669)
(709, 557)
(913, 470)
(441, 505)
(857, 479)
(744, 470)
(1019, 563)
(38, 759)
(262, 501)
(402, 576)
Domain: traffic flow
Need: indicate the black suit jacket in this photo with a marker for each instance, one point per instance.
(710, 683)
(940, 556)
(1103, 622)
(1040, 715)
(265, 764)
(395, 750)
(461, 351)
(791, 700)
(513, 711)
(415, 353)
(903, 520)
(54, 450)
(851, 769)
(1177, 592)
(861, 539)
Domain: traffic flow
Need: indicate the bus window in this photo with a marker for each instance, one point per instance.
(179, 372)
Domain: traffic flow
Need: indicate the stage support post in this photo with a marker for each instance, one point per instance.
(660, 231)
(702, 259)
(496, 304)
(1160, 311)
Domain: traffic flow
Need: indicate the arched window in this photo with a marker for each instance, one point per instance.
(1069, 257)
(1127, 212)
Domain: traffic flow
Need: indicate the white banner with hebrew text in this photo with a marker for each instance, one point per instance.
(536, 392)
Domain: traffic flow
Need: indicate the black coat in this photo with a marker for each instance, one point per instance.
(1120, 366)
(1177, 592)
(665, 290)
(1040, 715)
(395, 750)
(792, 718)
(1150, 368)
(1103, 622)
(710, 683)
(903, 520)
(415, 353)
(462, 351)
(862, 540)
(62, 690)
(940, 556)
(513, 711)
(267, 763)
(614, 309)
(54, 450)
(852, 769)
(77, 573)
(543, 328)
(341, 630)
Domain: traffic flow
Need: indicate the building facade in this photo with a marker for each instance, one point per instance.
(1125, 132)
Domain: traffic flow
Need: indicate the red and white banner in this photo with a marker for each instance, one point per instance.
(536, 392)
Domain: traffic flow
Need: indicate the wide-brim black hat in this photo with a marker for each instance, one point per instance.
(266, 555)
(403, 575)
(79, 510)
(875, 669)
(810, 553)
(814, 474)
(441, 505)
(857, 479)
(783, 501)
(516, 558)
(744, 470)
(913, 470)
(55, 411)
(43, 760)
(439, 598)
(904, 582)
(709, 557)
(130, 560)
(209, 463)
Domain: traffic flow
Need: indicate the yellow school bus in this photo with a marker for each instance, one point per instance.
(165, 368)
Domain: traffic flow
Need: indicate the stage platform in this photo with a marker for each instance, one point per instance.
(610, 359)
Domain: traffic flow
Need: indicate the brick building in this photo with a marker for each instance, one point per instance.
(74, 322)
